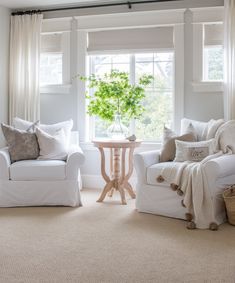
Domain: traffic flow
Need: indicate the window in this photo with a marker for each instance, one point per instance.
(213, 63)
(213, 52)
(55, 62)
(51, 69)
(159, 96)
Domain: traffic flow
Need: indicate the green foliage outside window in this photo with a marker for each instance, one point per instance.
(113, 94)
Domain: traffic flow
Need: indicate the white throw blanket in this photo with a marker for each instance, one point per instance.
(190, 181)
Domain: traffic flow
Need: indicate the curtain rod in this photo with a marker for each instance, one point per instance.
(128, 3)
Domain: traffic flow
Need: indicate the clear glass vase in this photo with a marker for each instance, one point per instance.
(117, 131)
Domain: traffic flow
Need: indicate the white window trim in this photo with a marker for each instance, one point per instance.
(56, 89)
(131, 20)
(208, 87)
(79, 26)
(91, 128)
(200, 17)
(105, 22)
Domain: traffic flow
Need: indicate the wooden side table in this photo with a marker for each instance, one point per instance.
(118, 178)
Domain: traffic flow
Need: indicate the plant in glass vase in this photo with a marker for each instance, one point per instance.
(116, 100)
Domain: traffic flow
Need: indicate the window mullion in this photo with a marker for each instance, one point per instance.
(132, 81)
(91, 92)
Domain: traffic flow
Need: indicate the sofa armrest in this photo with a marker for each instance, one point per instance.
(143, 160)
(220, 167)
(75, 160)
(5, 163)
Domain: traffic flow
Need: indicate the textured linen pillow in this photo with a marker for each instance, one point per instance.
(194, 151)
(21, 144)
(24, 125)
(52, 147)
(169, 148)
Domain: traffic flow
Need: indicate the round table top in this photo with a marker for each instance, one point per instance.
(108, 143)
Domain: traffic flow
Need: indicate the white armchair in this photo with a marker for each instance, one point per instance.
(41, 182)
(158, 198)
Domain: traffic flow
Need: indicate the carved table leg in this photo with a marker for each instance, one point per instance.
(117, 179)
(106, 189)
(122, 193)
(109, 184)
(126, 184)
(128, 187)
(111, 171)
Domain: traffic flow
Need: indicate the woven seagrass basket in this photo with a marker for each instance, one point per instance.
(229, 199)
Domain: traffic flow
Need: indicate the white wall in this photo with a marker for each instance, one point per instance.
(199, 106)
(4, 62)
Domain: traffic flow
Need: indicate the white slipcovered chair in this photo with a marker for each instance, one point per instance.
(158, 198)
(41, 182)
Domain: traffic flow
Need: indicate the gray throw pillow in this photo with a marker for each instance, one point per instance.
(21, 144)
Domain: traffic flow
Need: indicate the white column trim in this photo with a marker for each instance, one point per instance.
(197, 52)
(179, 76)
(81, 87)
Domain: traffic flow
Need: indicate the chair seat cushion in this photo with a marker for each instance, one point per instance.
(155, 170)
(30, 170)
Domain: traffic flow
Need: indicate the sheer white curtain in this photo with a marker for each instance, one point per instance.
(24, 100)
(229, 56)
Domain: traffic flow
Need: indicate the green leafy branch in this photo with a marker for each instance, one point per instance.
(113, 94)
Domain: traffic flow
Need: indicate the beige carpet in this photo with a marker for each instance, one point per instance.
(109, 243)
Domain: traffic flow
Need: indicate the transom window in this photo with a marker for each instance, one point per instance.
(159, 96)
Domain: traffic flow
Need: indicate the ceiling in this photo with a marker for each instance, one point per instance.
(21, 4)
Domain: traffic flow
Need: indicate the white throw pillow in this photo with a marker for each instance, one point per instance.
(52, 146)
(200, 128)
(169, 134)
(194, 151)
(54, 128)
(213, 126)
(24, 125)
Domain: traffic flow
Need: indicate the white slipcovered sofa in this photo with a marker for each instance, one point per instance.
(41, 182)
(158, 198)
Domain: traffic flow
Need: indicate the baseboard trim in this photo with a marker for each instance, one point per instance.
(97, 182)
(92, 181)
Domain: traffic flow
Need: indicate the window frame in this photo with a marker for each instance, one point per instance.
(65, 86)
(200, 17)
(206, 65)
(132, 72)
(82, 25)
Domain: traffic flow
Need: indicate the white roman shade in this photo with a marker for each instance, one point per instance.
(213, 34)
(131, 39)
(51, 42)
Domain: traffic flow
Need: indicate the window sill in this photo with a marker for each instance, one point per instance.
(56, 89)
(208, 86)
(145, 146)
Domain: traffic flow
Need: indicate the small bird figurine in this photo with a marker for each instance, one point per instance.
(131, 138)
